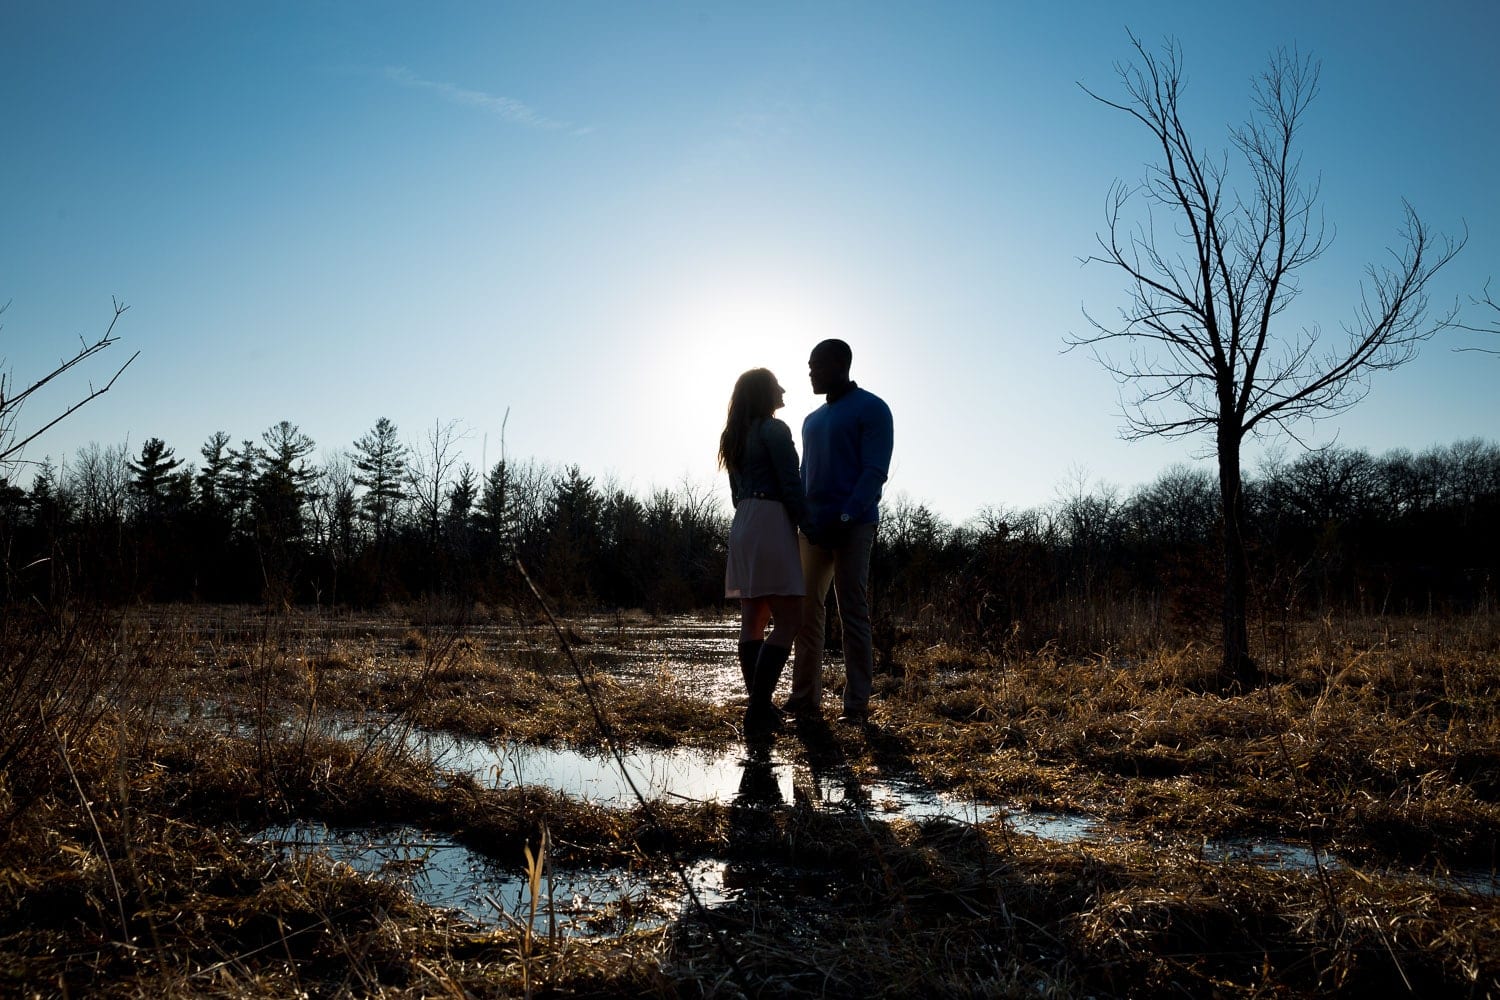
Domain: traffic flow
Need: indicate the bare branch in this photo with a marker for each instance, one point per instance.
(10, 405)
(1215, 306)
(1488, 301)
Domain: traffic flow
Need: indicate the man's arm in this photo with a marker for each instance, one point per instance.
(876, 442)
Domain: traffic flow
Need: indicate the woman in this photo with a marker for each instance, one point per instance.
(764, 570)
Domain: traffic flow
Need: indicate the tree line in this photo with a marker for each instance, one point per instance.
(381, 521)
(387, 521)
(1337, 530)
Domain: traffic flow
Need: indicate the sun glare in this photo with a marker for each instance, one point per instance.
(710, 338)
(721, 336)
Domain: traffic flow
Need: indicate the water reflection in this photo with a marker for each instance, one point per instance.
(581, 902)
(760, 776)
(760, 784)
(1274, 855)
(756, 775)
(587, 902)
(602, 901)
(683, 774)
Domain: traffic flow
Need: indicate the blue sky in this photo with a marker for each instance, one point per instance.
(595, 215)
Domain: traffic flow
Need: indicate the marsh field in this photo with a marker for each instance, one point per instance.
(429, 801)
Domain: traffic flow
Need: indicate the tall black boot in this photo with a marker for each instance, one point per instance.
(762, 717)
(749, 653)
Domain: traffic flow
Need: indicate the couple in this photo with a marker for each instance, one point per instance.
(795, 531)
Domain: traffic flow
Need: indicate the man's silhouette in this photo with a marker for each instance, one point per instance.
(846, 455)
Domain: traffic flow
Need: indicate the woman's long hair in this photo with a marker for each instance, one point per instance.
(754, 397)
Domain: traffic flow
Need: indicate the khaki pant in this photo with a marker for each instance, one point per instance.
(847, 568)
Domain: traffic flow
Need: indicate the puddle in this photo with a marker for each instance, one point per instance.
(602, 901)
(583, 903)
(681, 774)
(698, 654)
(1061, 828)
(1281, 856)
(439, 872)
(729, 777)
(1480, 883)
(597, 902)
(696, 651)
(732, 778)
(1270, 854)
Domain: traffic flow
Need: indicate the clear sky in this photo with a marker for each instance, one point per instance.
(596, 215)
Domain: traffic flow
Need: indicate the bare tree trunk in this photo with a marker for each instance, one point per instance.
(1237, 671)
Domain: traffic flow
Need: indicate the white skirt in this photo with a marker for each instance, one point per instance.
(764, 560)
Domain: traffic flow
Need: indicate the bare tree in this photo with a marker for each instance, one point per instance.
(1210, 269)
(99, 481)
(335, 512)
(428, 473)
(13, 440)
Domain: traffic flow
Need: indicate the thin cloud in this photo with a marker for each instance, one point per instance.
(506, 108)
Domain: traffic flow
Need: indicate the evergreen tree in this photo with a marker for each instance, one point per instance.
(12, 501)
(380, 469)
(239, 486)
(574, 533)
(283, 485)
(151, 473)
(218, 456)
(462, 494)
(336, 514)
(491, 515)
(43, 499)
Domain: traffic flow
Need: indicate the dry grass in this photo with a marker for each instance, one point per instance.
(1385, 741)
(1378, 739)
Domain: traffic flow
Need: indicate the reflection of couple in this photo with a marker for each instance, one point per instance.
(796, 531)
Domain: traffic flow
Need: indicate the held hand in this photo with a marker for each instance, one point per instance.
(836, 534)
(827, 536)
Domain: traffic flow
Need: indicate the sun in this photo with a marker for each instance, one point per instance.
(705, 337)
(720, 335)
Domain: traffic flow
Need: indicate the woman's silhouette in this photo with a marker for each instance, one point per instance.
(764, 570)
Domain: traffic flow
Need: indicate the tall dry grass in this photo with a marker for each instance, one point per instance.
(61, 675)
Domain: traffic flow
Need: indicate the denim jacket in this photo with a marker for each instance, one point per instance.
(769, 469)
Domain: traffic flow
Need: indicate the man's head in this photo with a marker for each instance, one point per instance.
(828, 366)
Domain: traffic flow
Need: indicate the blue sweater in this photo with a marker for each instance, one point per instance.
(846, 456)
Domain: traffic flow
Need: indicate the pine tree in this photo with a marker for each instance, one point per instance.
(151, 474)
(213, 477)
(380, 464)
(284, 482)
(462, 495)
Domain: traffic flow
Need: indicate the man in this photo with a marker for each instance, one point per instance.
(846, 455)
